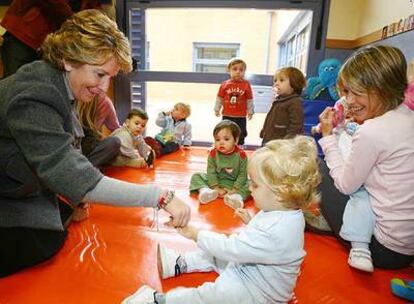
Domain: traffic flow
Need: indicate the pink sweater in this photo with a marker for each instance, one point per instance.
(381, 159)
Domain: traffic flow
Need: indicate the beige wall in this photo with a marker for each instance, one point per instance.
(352, 19)
(176, 30)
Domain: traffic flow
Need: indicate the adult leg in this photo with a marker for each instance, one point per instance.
(105, 151)
(15, 54)
(333, 202)
(387, 258)
(333, 205)
(23, 247)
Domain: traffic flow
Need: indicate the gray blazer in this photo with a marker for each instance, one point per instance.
(37, 160)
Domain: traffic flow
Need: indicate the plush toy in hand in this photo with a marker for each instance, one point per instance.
(324, 86)
(339, 116)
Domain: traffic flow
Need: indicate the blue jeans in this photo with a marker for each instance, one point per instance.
(358, 218)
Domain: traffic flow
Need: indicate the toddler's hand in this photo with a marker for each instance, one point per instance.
(243, 214)
(189, 232)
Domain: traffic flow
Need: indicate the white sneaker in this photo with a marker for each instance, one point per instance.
(360, 258)
(207, 195)
(234, 201)
(167, 262)
(144, 295)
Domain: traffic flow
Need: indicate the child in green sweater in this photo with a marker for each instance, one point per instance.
(226, 175)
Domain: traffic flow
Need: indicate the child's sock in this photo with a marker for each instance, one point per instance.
(360, 245)
(160, 298)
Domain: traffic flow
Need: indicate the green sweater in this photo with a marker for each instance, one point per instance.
(227, 170)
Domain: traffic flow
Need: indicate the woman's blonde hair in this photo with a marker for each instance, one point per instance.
(87, 113)
(289, 168)
(377, 71)
(88, 37)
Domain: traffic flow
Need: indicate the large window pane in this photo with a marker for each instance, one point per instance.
(182, 37)
(162, 96)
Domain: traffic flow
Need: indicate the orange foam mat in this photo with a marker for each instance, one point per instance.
(112, 253)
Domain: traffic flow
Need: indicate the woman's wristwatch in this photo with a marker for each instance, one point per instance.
(166, 198)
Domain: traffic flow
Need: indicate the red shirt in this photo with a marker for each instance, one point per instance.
(235, 95)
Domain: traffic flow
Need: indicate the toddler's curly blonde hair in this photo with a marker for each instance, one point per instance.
(289, 168)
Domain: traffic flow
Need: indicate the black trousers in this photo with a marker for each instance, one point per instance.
(15, 53)
(241, 122)
(22, 247)
(333, 205)
(100, 153)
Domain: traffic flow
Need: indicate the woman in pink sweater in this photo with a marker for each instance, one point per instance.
(373, 81)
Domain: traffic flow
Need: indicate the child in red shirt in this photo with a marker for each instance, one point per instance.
(235, 97)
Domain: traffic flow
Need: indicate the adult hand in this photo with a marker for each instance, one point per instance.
(180, 212)
(217, 113)
(249, 116)
(189, 232)
(326, 119)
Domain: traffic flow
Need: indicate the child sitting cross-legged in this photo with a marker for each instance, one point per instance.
(134, 151)
(226, 169)
(261, 263)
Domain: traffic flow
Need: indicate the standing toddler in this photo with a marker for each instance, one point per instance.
(285, 118)
(235, 97)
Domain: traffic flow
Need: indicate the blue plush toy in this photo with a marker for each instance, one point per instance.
(324, 86)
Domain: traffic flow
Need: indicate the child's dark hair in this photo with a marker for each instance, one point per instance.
(137, 112)
(227, 124)
(235, 61)
(297, 80)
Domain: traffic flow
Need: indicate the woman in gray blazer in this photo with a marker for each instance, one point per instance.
(40, 159)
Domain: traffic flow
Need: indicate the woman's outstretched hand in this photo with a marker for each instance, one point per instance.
(326, 119)
(180, 212)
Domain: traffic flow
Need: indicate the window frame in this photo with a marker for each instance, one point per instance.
(319, 8)
(223, 62)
